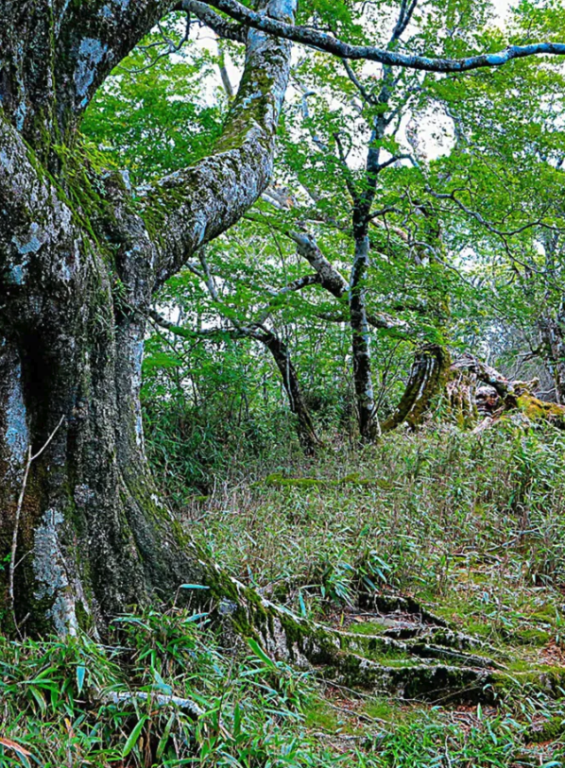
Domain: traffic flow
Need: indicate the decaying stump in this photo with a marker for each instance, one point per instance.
(477, 395)
(428, 377)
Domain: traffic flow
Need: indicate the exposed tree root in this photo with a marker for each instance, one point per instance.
(430, 662)
(405, 604)
(434, 683)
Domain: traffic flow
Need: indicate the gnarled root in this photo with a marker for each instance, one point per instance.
(432, 665)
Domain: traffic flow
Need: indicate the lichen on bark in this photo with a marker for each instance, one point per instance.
(79, 264)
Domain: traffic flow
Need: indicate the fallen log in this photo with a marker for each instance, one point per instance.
(495, 397)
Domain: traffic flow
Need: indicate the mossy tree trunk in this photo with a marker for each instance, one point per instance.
(79, 264)
(426, 382)
(552, 331)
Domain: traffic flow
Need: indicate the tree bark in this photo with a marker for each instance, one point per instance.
(305, 428)
(553, 337)
(78, 267)
(361, 344)
(428, 376)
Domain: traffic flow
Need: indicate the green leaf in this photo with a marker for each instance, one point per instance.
(260, 653)
(193, 586)
(81, 673)
(134, 736)
(165, 737)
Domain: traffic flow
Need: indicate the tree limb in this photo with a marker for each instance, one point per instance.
(223, 28)
(191, 207)
(92, 39)
(329, 276)
(325, 42)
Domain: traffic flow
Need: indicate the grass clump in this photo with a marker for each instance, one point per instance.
(77, 702)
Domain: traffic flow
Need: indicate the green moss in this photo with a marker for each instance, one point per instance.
(367, 627)
(549, 730)
(277, 479)
(320, 716)
(533, 636)
(537, 410)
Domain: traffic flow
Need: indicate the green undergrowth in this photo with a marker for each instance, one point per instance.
(469, 526)
(472, 524)
(57, 706)
(57, 709)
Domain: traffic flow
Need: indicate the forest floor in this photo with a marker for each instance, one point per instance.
(452, 532)
(472, 529)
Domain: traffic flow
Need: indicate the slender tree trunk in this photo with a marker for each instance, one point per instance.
(553, 338)
(305, 428)
(281, 355)
(361, 343)
(78, 267)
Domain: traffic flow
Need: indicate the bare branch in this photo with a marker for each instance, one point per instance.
(369, 98)
(297, 285)
(223, 28)
(170, 48)
(404, 17)
(325, 42)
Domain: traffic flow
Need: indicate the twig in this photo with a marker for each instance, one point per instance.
(159, 700)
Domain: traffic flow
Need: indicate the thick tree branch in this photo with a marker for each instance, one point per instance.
(91, 39)
(325, 42)
(329, 276)
(192, 207)
(224, 29)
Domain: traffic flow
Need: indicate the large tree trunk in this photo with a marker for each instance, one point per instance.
(427, 379)
(91, 537)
